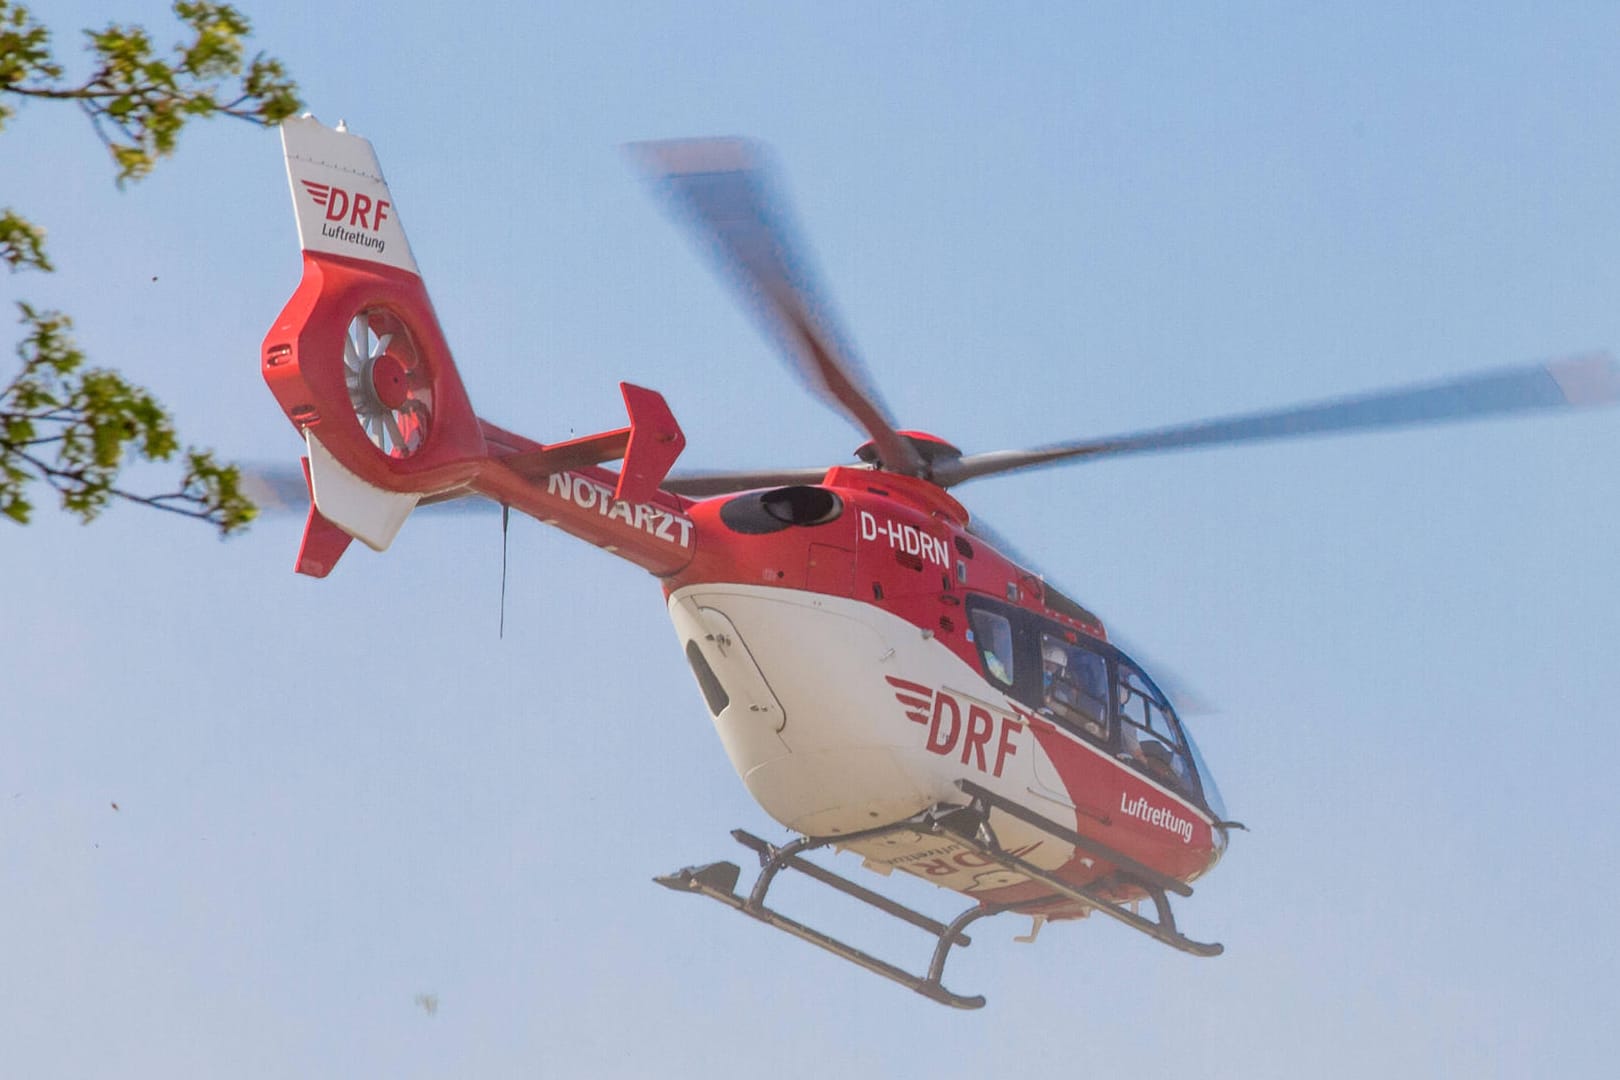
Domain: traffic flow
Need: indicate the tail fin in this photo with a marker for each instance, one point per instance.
(357, 359)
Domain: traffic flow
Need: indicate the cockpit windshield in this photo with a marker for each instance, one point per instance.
(1149, 732)
(1091, 690)
(1206, 779)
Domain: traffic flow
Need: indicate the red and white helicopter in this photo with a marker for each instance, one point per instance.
(885, 675)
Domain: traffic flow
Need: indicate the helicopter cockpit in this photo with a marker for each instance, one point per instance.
(1074, 686)
(1092, 690)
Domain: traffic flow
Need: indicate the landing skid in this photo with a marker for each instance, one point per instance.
(967, 825)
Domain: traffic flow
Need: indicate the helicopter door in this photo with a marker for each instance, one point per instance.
(1074, 687)
(831, 570)
(1074, 701)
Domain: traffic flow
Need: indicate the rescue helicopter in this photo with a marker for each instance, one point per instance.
(886, 675)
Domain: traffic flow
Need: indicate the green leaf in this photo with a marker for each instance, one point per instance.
(63, 425)
(22, 243)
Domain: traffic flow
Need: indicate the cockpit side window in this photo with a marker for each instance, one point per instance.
(993, 634)
(1074, 687)
(1149, 734)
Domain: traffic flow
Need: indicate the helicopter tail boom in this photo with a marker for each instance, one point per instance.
(359, 364)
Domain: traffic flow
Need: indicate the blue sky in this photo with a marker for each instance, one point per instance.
(1037, 222)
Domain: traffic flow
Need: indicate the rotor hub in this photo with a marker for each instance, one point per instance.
(389, 382)
(930, 448)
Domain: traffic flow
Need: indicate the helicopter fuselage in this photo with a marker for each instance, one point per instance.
(851, 604)
(837, 632)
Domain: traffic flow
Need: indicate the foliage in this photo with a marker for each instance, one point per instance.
(63, 423)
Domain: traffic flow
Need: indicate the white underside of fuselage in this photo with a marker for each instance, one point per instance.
(827, 744)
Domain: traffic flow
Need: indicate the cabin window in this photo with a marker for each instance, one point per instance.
(1148, 733)
(993, 634)
(1074, 687)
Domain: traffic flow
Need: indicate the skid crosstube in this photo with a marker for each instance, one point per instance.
(968, 825)
(718, 881)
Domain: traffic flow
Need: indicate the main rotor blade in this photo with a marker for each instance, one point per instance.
(726, 194)
(1571, 382)
(277, 488)
(698, 484)
(281, 489)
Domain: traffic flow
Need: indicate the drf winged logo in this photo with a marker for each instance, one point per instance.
(360, 209)
(947, 729)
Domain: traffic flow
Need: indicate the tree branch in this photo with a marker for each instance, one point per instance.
(137, 104)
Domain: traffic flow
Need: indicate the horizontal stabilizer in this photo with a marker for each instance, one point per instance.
(649, 446)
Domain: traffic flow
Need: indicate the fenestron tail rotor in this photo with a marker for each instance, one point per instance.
(389, 384)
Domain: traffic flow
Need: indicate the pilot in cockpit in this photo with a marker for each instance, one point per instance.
(1068, 687)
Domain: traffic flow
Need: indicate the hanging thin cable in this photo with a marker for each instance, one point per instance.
(506, 515)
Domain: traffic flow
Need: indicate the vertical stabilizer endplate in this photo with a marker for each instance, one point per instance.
(366, 512)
